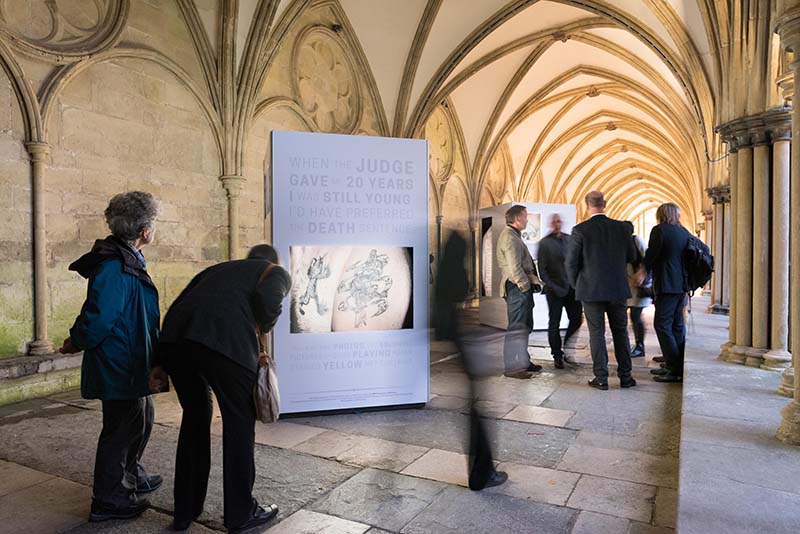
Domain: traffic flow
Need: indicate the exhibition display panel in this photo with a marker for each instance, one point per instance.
(350, 222)
(493, 310)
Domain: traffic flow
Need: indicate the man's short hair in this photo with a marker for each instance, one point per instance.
(263, 252)
(668, 213)
(513, 212)
(595, 199)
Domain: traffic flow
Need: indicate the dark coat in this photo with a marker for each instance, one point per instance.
(664, 258)
(117, 328)
(597, 259)
(552, 256)
(452, 287)
(221, 307)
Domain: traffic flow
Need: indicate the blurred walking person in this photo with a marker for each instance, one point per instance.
(641, 294)
(452, 288)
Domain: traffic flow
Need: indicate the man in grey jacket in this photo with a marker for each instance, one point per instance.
(518, 284)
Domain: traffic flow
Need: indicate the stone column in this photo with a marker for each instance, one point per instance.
(788, 26)
(727, 246)
(476, 266)
(743, 256)
(779, 358)
(41, 344)
(729, 271)
(439, 220)
(709, 237)
(760, 298)
(720, 277)
(233, 187)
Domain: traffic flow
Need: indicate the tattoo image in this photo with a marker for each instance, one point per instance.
(316, 271)
(342, 288)
(366, 286)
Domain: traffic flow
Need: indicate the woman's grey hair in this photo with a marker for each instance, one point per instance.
(129, 214)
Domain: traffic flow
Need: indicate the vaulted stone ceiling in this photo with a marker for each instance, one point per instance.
(617, 95)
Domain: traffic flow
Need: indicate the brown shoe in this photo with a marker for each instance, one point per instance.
(522, 375)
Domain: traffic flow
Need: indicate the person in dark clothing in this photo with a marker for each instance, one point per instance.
(560, 295)
(452, 288)
(209, 342)
(597, 260)
(117, 330)
(641, 295)
(664, 258)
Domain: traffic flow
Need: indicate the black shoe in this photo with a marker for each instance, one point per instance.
(260, 517)
(638, 351)
(669, 378)
(497, 478)
(522, 375)
(659, 359)
(659, 372)
(599, 384)
(151, 483)
(533, 368)
(558, 362)
(627, 383)
(180, 525)
(104, 512)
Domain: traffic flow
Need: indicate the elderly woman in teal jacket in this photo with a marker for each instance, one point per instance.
(117, 331)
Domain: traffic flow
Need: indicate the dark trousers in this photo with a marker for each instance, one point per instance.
(618, 322)
(555, 305)
(481, 465)
(520, 324)
(117, 467)
(638, 324)
(195, 371)
(671, 330)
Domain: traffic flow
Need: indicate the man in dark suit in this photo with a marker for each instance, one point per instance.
(664, 257)
(597, 261)
(560, 294)
(209, 342)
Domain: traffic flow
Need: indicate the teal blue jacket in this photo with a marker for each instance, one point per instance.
(118, 326)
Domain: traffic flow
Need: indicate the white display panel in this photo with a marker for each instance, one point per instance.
(493, 311)
(350, 222)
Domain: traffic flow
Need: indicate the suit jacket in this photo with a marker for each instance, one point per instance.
(552, 256)
(515, 261)
(665, 258)
(597, 259)
(221, 307)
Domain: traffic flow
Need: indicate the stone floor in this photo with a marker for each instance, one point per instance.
(579, 460)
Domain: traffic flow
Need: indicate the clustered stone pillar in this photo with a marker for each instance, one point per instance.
(788, 26)
(733, 173)
(40, 344)
(233, 187)
(720, 238)
(744, 253)
(439, 220)
(778, 358)
(760, 217)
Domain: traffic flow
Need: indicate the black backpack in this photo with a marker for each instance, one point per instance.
(698, 263)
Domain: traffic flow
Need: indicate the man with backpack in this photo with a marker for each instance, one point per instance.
(665, 259)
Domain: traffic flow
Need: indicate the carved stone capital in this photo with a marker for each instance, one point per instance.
(37, 151)
(788, 27)
(233, 184)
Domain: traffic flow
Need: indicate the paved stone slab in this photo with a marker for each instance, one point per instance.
(150, 522)
(622, 465)
(447, 402)
(308, 522)
(594, 523)
(614, 497)
(726, 432)
(492, 409)
(643, 528)
(386, 500)
(512, 441)
(55, 505)
(381, 454)
(329, 444)
(666, 511)
(460, 510)
(539, 415)
(285, 435)
(536, 483)
(444, 466)
(650, 438)
(15, 477)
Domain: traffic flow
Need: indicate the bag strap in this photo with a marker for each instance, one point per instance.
(264, 357)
